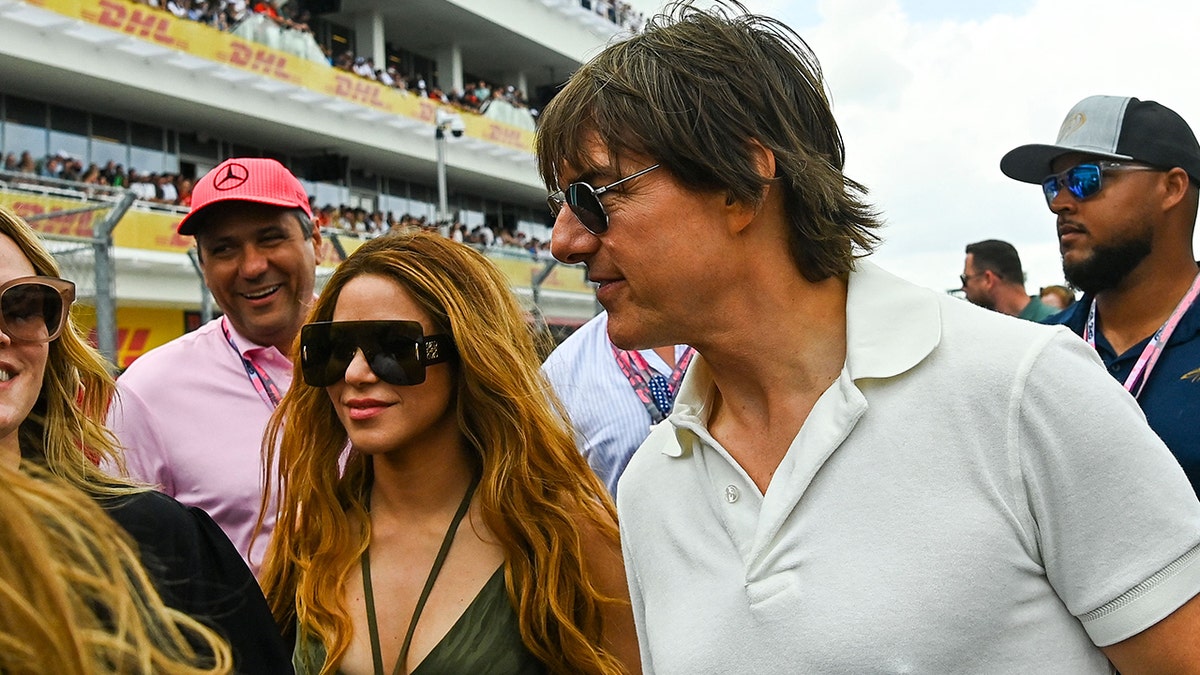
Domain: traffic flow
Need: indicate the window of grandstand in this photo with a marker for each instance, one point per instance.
(68, 131)
(24, 126)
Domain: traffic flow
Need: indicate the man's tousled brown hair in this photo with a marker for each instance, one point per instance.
(699, 91)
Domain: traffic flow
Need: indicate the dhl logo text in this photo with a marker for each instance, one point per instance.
(145, 23)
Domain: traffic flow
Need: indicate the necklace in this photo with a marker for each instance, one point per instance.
(372, 625)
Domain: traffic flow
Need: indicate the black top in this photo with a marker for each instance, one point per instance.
(197, 570)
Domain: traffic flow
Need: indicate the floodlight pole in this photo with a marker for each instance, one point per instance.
(443, 210)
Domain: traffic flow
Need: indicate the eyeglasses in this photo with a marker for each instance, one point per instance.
(1084, 180)
(34, 309)
(584, 201)
(396, 351)
(964, 278)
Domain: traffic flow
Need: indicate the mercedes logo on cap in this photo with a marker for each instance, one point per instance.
(231, 177)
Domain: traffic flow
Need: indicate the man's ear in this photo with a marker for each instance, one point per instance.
(1176, 184)
(764, 164)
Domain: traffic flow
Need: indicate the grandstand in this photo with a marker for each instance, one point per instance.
(346, 93)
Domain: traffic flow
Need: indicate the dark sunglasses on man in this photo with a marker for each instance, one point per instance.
(1085, 180)
(584, 201)
(396, 351)
(34, 309)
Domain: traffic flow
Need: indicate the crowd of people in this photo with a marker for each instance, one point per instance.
(617, 11)
(835, 470)
(157, 188)
(473, 97)
(368, 225)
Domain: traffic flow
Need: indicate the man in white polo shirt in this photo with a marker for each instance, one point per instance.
(859, 475)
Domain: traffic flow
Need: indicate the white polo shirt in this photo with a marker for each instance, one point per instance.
(974, 494)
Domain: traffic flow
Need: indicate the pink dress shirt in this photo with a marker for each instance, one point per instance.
(192, 423)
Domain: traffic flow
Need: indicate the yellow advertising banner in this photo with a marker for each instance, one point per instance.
(163, 28)
(520, 274)
(139, 329)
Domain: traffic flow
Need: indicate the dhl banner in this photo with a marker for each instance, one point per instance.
(139, 329)
(149, 230)
(520, 275)
(163, 28)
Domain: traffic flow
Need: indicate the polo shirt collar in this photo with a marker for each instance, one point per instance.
(246, 347)
(891, 326)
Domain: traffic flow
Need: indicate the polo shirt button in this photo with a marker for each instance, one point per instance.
(732, 493)
(1114, 368)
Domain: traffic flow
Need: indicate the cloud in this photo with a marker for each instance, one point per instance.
(927, 108)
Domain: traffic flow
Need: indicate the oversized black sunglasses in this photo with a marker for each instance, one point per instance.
(584, 201)
(396, 351)
(34, 309)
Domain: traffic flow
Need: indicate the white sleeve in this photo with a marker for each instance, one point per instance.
(1115, 519)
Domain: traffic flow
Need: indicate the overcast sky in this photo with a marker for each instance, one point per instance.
(931, 93)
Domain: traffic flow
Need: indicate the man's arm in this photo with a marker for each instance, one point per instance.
(1169, 647)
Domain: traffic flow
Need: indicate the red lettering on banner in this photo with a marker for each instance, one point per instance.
(131, 344)
(140, 23)
(241, 54)
(504, 135)
(260, 61)
(68, 225)
(359, 91)
(427, 112)
(111, 14)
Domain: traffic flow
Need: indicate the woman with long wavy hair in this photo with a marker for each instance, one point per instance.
(435, 514)
(55, 393)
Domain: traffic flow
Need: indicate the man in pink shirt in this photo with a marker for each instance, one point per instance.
(191, 413)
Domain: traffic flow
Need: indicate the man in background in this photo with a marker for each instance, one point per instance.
(1122, 181)
(993, 279)
(613, 396)
(191, 413)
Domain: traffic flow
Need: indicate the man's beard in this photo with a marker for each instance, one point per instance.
(1108, 266)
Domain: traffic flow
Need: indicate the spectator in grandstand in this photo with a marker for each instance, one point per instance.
(849, 455)
(1058, 297)
(27, 163)
(52, 407)
(93, 176)
(75, 598)
(993, 279)
(10, 162)
(637, 387)
(165, 190)
(191, 413)
(421, 379)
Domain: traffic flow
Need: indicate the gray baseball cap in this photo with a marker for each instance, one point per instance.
(1113, 127)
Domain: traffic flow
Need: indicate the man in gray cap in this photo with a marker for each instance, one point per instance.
(1122, 179)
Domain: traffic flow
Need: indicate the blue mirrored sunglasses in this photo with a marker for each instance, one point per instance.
(1085, 180)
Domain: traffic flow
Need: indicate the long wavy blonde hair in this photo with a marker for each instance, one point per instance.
(65, 431)
(537, 492)
(74, 599)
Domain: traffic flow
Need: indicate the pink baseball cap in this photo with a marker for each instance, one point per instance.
(245, 179)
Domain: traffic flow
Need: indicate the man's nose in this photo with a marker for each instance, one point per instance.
(570, 242)
(254, 262)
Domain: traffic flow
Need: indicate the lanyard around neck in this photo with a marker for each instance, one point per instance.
(263, 384)
(1158, 342)
(640, 376)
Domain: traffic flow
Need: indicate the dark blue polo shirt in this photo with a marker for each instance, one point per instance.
(1171, 397)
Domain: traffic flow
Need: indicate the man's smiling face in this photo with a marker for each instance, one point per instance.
(260, 268)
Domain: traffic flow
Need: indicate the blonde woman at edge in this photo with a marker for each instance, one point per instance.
(465, 534)
(54, 392)
(74, 599)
